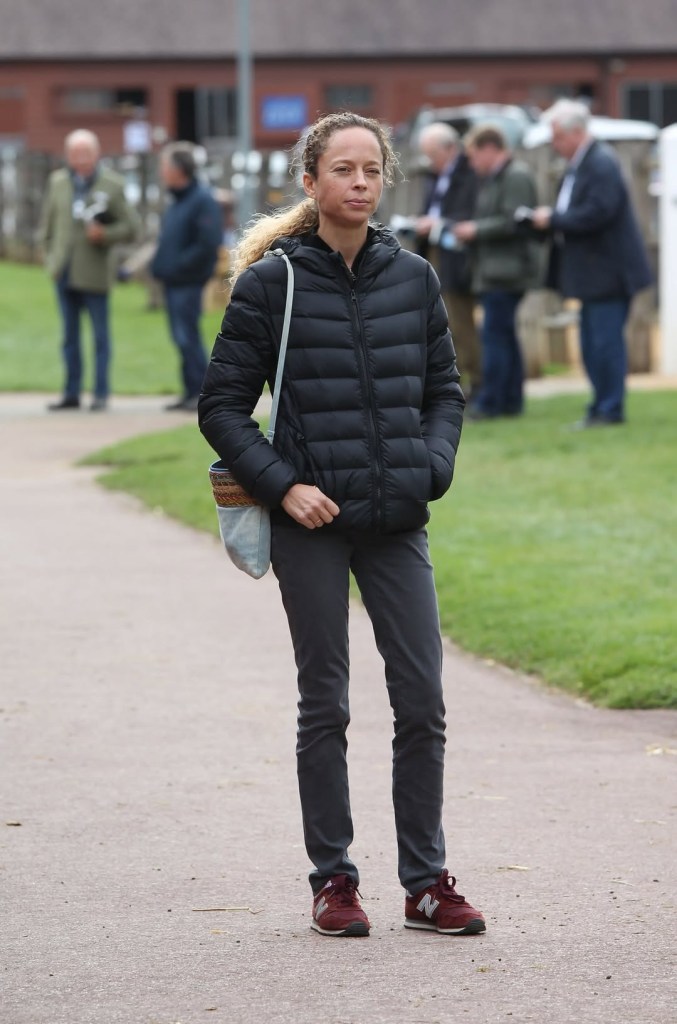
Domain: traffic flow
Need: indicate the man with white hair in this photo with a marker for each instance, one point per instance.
(597, 254)
(84, 215)
(449, 197)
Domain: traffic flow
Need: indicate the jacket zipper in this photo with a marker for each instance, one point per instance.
(378, 504)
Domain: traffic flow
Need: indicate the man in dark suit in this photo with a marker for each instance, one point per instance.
(450, 196)
(597, 255)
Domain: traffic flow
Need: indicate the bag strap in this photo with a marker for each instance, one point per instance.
(283, 345)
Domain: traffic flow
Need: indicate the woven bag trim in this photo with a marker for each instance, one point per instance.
(228, 493)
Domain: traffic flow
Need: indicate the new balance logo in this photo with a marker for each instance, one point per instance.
(428, 905)
(322, 905)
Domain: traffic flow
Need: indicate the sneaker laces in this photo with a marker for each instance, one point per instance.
(446, 890)
(344, 892)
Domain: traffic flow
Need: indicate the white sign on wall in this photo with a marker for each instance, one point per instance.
(136, 137)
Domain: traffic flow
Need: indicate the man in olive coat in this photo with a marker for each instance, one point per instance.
(85, 213)
(506, 264)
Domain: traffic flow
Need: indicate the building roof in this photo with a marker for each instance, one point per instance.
(185, 29)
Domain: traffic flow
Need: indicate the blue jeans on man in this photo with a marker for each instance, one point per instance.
(604, 356)
(184, 306)
(502, 391)
(72, 302)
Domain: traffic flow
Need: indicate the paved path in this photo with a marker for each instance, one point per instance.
(151, 863)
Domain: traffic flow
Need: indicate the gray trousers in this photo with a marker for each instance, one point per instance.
(395, 579)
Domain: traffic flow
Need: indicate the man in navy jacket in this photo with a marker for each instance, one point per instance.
(188, 246)
(597, 256)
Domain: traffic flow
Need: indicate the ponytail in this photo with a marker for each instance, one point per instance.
(257, 239)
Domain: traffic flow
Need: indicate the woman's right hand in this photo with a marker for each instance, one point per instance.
(309, 506)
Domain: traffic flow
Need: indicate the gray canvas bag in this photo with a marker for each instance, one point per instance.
(244, 523)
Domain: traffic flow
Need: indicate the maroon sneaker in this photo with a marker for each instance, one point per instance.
(439, 908)
(337, 910)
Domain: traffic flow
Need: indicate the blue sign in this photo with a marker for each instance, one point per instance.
(284, 113)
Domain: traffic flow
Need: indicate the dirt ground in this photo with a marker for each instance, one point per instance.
(151, 858)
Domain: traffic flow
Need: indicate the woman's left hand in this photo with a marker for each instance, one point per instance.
(309, 506)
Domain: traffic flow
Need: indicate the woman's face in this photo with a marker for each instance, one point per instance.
(349, 179)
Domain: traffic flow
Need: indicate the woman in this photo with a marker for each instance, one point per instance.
(368, 426)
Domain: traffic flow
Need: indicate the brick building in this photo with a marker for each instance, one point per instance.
(67, 63)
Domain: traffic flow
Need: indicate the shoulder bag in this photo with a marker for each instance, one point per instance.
(244, 523)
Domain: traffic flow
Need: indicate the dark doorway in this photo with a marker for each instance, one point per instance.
(186, 126)
(206, 113)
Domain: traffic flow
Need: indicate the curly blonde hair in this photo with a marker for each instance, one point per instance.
(304, 217)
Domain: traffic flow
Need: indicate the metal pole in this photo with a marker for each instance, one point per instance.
(244, 107)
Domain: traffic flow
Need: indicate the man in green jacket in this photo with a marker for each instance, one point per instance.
(505, 261)
(85, 213)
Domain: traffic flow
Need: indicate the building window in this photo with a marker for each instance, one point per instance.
(349, 97)
(544, 94)
(437, 89)
(651, 101)
(206, 113)
(101, 101)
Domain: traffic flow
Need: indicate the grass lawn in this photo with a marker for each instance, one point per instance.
(554, 550)
(144, 359)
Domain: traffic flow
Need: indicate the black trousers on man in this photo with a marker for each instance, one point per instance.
(395, 578)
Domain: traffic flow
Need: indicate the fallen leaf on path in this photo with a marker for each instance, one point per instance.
(655, 750)
(513, 867)
(13, 824)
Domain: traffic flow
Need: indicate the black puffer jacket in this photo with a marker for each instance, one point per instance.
(371, 409)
